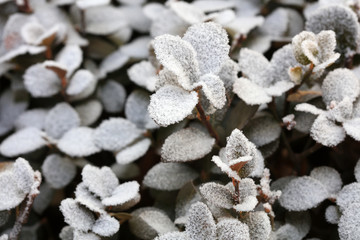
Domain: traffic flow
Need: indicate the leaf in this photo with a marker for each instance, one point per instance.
(225, 168)
(71, 57)
(303, 193)
(171, 104)
(133, 152)
(82, 85)
(169, 176)
(187, 12)
(149, 222)
(186, 145)
(67, 233)
(352, 128)
(332, 214)
(187, 195)
(124, 196)
(60, 119)
(357, 171)
(143, 74)
(58, 171)
(88, 199)
(76, 216)
(89, 112)
(106, 226)
(349, 222)
(211, 45)
(113, 62)
(21, 142)
(200, 224)
(112, 95)
(259, 225)
(302, 96)
(115, 134)
(229, 229)
(329, 177)
(101, 181)
(173, 236)
(127, 171)
(214, 90)
(83, 4)
(85, 235)
(249, 92)
(41, 82)
(217, 194)
(308, 108)
(348, 195)
(43, 200)
(327, 132)
(31, 118)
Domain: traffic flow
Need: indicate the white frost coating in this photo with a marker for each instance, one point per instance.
(113, 61)
(248, 204)
(171, 104)
(348, 195)
(67, 233)
(41, 82)
(211, 44)
(143, 74)
(200, 224)
(101, 181)
(357, 171)
(76, 216)
(58, 171)
(60, 119)
(173, 236)
(106, 226)
(133, 152)
(327, 132)
(89, 200)
(149, 222)
(259, 225)
(332, 214)
(303, 193)
(115, 134)
(23, 175)
(78, 142)
(169, 176)
(309, 108)
(214, 89)
(339, 84)
(125, 194)
(186, 145)
(31, 118)
(329, 177)
(89, 111)
(349, 223)
(81, 85)
(230, 229)
(21, 142)
(112, 95)
(217, 194)
(71, 57)
(352, 128)
(251, 93)
(225, 168)
(80, 235)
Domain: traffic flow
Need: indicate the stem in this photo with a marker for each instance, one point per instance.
(310, 151)
(206, 122)
(83, 22)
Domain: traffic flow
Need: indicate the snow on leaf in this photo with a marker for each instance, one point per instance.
(186, 145)
(327, 132)
(200, 224)
(332, 214)
(21, 142)
(217, 194)
(115, 133)
(169, 176)
(348, 195)
(58, 171)
(303, 193)
(106, 226)
(76, 216)
(112, 95)
(31, 118)
(133, 152)
(214, 89)
(149, 222)
(339, 84)
(211, 45)
(230, 229)
(89, 111)
(171, 104)
(60, 119)
(101, 181)
(349, 222)
(352, 128)
(249, 92)
(124, 196)
(329, 177)
(81, 85)
(143, 74)
(259, 225)
(41, 82)
(71, 57)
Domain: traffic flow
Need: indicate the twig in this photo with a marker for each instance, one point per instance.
(310, 151)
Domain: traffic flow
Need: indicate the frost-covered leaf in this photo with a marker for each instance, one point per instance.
(124, 196)
(76, 216)
(214, 89)
(171, 104)
(80, 235)
(249, 92)
(143, 74)
(348, 195)
(303, 193)
(23, 175)
(298, 48)
(84, 4)
(357, 171)
(308, 108)
(349, 223)
(106, 226)
(173, 236)
(58, 171)
(41, 82)
(78, 142)
(112, 62)
(217, 194)
(60, 119)
(149, 222)
(71, 57)
(101, 181)
(262, 130)
(112, 95)
(301, 221)
(187, 12)
(352, 128)
(230, 229)
(133, 152)
(82, 85)
(329, 177)
(169, 176)
(136, 110)
(89, 111)
(127, 171)
(115, 134)
(137, 49)
(339, 84)
(67, 233)
(186, 145)
(259, 225)
(88, 199)
(21, 142)
(332, 214)
(327, 132)
(211, 44)
(31, 118)
(200, 224)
